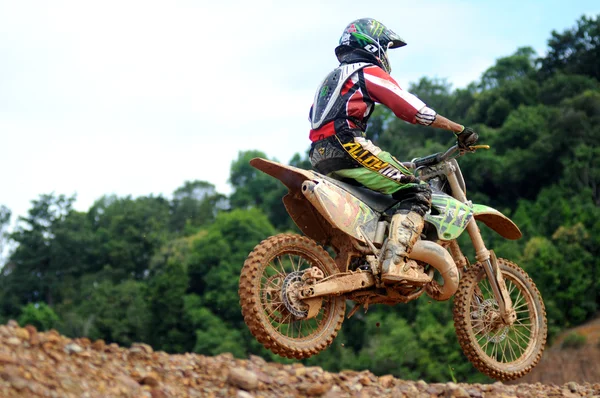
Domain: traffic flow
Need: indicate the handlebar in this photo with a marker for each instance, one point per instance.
(441, 156)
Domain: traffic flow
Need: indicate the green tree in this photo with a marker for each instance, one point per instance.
(170, 330)
(512, 68)
(576, 50)
(216, 259)
(213, 335)
(129, 232)
(253, 188)
(562, 267)
(560, 86)
(39, 315)
(390, 346)
(194, 204)
(5, 214)
(115, 312)
(33, 275)
(166, 271)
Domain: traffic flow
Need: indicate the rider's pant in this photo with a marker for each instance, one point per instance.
(357, 160)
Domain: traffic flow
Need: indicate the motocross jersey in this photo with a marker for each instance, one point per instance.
(346, 98)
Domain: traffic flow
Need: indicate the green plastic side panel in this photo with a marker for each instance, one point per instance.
(453, 216)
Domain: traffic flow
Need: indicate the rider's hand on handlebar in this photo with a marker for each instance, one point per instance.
(466, 138)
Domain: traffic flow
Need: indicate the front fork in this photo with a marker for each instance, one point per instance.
(485, 257)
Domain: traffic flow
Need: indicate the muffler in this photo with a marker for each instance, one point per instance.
(439, 258)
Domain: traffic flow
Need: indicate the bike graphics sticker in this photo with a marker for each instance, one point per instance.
(453, 216)
(347, 212)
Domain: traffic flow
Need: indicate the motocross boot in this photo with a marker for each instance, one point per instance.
(405, 229)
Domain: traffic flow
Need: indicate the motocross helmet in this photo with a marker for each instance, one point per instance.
(370, 39)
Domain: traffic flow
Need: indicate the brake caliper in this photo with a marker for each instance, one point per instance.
(312, 275)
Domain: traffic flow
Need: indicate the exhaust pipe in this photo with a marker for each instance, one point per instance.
(439, 258)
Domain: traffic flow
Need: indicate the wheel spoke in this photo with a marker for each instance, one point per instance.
(299, 262)
(518, 300)
(505, 342)
(292, 262)
(520, 306)
(525, 326)
(269, 282)
(521, 341)
(516, 345)
(522, 311)
(270, 314)
(485, 283)
(513, 355)
(483, 336)
(272, 283)
(486, 344)
(525, 338)
(283, 273)
(495, 348)
(499, 350)
(479, 330)
(503, 346)
(287, 319)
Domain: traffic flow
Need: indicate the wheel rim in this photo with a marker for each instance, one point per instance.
(505, 345)
(273, 305)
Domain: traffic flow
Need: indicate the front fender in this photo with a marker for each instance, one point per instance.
(497, 221)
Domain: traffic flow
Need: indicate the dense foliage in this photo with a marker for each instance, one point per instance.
(165, 271)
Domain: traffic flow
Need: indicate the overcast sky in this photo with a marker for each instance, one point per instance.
(136, 97)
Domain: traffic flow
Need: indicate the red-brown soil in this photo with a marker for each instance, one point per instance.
(34, 364)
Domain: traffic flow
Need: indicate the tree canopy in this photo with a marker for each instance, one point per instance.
(164, 270)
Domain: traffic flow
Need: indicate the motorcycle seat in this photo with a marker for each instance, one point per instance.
(377, 201)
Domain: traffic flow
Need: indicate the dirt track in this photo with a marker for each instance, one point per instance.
(36, 364)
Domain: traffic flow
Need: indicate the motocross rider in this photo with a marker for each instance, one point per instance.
(342, 106)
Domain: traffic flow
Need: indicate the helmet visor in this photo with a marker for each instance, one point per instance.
(395, 41)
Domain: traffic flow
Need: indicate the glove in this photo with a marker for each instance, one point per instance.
(466, 138)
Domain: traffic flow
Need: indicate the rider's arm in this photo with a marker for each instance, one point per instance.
(383, 88)
(444, 123)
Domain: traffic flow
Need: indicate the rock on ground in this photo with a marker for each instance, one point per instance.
(34, 364)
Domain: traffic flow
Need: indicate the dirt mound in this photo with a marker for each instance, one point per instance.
(36, 364)
(564, 362)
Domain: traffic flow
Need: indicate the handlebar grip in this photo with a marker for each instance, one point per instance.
(428, 160)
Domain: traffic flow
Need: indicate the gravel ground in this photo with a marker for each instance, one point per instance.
(34, 364)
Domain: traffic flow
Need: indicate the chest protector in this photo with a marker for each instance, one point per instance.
(329, 104)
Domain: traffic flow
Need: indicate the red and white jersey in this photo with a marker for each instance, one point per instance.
(349, 106)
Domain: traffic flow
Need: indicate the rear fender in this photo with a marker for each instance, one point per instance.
(497, 221)
(292, 177)
(306, 217)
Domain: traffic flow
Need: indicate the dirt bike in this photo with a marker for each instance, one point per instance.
(293, 293)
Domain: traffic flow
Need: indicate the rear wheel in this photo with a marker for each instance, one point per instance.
(500, 351)
(274, 314)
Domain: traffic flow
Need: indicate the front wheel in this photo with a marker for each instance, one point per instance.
(274, 314)
(500, 351)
